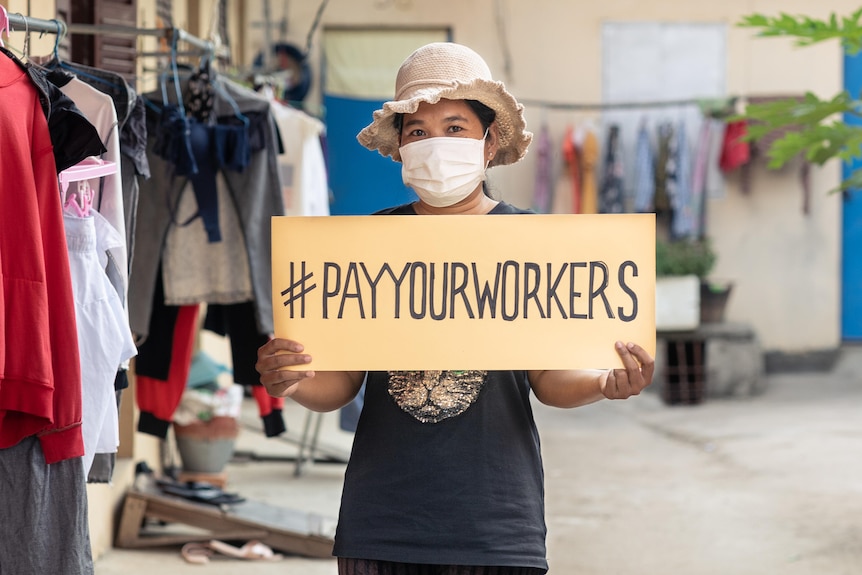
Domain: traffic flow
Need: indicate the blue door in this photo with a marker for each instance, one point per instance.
(851, 299)
(361, 181)
(360, 66)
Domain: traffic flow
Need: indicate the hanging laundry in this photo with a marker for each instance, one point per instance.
(699, 178)
(589, 166)
(72, 135)
(99, 109)
(611, 194)
(41, 379)
(735, 151)
(236, 322)
(188, 272)
(561, 194)
(163, 363)
(665, 170)
(682, 223)
(130, 122)
(104, 338)
(301, 162)
(644, 172)
(542, 188)
(714, 173)
(255, 196)
(572, 156)
(131, 117)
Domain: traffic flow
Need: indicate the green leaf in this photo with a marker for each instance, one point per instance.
(808, 31)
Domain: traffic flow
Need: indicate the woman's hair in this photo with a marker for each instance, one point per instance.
(486, 117)
(485, 114)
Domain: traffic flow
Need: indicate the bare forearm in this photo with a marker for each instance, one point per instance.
(327, 390)
(568, 388)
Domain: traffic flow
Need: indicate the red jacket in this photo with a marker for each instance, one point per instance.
(40, 374)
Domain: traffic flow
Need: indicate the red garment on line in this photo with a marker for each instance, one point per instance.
(160, 398)
(40, 371)
(265, 402)
(573, 163)
(735, 151)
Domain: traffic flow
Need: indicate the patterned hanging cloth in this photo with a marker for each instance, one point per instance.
(542, 189)
(589, 164)
(665, 169)
(572, 157)
(699, 177)
(644, 172)
(682, 225)
(611, 195)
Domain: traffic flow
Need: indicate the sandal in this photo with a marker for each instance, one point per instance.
(200, 553)
(201, 492)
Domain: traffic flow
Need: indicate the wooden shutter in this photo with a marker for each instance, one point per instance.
(105, 51)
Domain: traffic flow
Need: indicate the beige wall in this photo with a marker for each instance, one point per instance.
(785, 264)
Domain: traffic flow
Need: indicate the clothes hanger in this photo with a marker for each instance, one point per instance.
(56, 61)
(217, 85)
(86, 169)
(223, 93)
(26, 47)
(81, 200)
(4, 25)
(173, 70)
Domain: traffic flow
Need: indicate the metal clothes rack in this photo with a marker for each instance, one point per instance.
(21, 23)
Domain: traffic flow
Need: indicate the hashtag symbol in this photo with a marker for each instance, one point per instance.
(298, 289)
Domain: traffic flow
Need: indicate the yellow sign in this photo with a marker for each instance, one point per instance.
(464, 292)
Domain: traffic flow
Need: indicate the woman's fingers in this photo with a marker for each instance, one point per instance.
(276, 363)
(637, 372)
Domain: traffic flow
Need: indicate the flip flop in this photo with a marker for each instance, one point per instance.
(200, 553)
(200, 492)
(254, 550)
(197, 553)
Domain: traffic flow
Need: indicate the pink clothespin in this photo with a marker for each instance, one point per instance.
(4, 24)
(88, 168)
(81, 200)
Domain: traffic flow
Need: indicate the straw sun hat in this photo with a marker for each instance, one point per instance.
(452, 71)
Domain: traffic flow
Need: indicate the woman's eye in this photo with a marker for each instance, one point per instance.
(416, 133)
(455, 128)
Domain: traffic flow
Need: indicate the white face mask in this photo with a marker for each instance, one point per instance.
(443, 170)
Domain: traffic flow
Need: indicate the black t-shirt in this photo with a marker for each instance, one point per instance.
(409, 210)
(446, 468)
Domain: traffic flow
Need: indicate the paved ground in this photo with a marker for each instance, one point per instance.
(757, 486)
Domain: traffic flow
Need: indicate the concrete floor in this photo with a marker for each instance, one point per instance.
(749, 486)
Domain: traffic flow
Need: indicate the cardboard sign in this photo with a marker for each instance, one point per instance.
(464, 292)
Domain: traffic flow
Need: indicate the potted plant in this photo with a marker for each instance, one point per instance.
(685, 297)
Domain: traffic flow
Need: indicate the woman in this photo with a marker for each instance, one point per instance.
(446, 474)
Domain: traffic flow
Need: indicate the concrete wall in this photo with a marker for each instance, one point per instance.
(785, 264)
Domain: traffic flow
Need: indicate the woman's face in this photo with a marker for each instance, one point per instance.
(452, 118)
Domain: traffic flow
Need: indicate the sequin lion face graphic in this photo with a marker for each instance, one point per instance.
(432, 396)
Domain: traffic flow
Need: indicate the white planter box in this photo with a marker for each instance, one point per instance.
(677, 303)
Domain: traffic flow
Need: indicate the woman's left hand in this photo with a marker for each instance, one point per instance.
(635, 375)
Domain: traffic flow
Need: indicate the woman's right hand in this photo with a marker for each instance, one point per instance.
(273, 357)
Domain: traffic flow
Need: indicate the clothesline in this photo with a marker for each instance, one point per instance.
(727, 102)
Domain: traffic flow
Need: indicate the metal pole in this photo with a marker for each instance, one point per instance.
(21, 23)
(114, 30)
